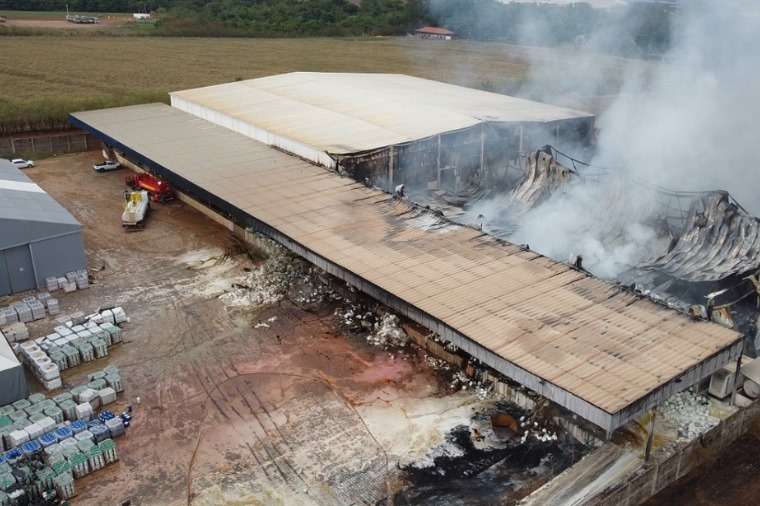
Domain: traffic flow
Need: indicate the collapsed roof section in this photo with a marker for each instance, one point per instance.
(315, 115)
(719, 240)
(599, 351)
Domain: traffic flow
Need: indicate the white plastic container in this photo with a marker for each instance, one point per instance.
(49, 371)
(84, 411)
(17, 437)
(107, 316)
(107, 396)
(84, 435)
(53, 384)
(47, 424)
(86, 395)
(119, 315)
(34, 430)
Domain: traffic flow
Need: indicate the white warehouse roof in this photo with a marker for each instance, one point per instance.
(350, 113)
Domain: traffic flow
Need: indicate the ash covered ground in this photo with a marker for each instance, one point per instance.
(262, 381)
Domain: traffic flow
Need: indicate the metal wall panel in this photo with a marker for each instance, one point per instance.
(57, 256)
(5, 280)
(20, 268)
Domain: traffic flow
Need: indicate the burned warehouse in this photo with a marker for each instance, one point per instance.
(591, 346)
(389, 129)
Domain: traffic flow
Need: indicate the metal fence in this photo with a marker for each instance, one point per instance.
(52, 143)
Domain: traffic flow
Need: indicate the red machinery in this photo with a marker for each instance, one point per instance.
(158, 189)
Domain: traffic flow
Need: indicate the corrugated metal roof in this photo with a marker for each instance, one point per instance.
(589, 338)
(348, 113)
(27, 212)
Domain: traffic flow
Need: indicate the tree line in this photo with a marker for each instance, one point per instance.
(635, 29)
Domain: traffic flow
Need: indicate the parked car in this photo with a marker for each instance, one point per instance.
(106, 166)
(20, 163)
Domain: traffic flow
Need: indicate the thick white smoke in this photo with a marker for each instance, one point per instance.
(692, 124)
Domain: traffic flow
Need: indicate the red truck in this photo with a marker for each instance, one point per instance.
(158, 189)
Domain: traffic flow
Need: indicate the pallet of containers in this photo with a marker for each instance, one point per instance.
(51, 282)
(115, 426)
(108, 448)
(37, 309)
(79, 465)
(23, 311)
(16, 332)
(64, 485)
(69, 409)
(95, 458)
(73, 358)
(99, 432)
(81, 279)
(84, 411)
(53, 306)
(45, 477)
(100, 347)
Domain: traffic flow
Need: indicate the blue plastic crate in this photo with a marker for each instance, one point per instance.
(31, 447)
(47, 439)
(63, 433)
(78, 426)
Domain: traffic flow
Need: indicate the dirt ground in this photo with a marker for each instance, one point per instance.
(247, 405)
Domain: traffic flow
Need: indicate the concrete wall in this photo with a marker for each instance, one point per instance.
(669, 466)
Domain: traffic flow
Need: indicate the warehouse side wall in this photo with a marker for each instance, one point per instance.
(58, 255)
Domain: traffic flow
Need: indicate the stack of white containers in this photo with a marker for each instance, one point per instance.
(71, 282)
(29, 309)
(70, 344)
(39, 362)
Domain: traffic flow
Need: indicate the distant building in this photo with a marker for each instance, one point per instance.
(140, 16)
(434, 32)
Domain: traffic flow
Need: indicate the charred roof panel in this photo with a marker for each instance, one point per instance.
(588, 345)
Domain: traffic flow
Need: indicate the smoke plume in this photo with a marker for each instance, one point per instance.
(691, 122)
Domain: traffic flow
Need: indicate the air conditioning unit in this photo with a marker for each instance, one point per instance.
(722, 383)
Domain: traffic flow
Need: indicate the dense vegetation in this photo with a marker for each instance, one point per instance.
(636, 29)
(292, 18)
(85, 5)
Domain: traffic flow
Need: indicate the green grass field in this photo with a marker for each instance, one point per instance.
(44, 78)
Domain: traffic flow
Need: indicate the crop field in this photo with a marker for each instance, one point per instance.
(43, 78)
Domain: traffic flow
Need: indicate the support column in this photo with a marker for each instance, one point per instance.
(482, 147)
(391, 162)
(650, 439)
(736, 377)
(438, 163)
